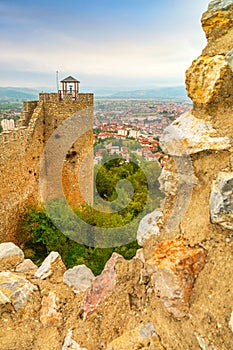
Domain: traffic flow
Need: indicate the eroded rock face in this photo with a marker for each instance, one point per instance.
(15, 289)
(79, 277)
(101, 286)
(218, 19)
(188, 135)
(221, 200)
(204, 78)
(173, 269)
(10, 249)
(49, 265)
(148, 226)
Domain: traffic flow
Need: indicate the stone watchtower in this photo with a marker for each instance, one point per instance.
(23, 148)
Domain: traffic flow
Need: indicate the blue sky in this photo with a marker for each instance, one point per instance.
(120, 43)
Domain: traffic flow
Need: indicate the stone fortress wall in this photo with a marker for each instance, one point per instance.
(21, 151)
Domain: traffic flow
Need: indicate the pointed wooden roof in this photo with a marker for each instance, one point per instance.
(70, 79)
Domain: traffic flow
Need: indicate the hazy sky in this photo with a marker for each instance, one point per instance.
(133, 43)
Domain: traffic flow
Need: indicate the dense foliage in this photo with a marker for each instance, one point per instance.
(114, 218)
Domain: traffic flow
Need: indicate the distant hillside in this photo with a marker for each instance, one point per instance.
(20, 94)
(160, 92)
(23, 94)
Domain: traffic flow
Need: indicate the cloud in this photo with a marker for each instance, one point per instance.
(39, 41)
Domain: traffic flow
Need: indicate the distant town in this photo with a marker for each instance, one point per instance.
(129, 128)
(132, 127)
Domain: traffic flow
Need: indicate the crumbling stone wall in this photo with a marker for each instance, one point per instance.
(21, 152)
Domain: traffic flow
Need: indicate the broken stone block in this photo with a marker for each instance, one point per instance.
(100, 287)
(221, 200)
(148, 226)
(173, 269)
(188, 135)
(70, 344)
(204, 78)
(10, 249)
(26, 266)
(48, 312)
(79, 277)
(50, 264)
(142, 337)
(15, 288)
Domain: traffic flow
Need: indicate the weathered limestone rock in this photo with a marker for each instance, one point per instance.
(48, 312)
(70, 344)
(10, 249)
(188, 135)
(79, 277)
(218, 19)
(101, 286)
(52, 262)
(231, 322)
(173, 269)
(148, 226)
(221, 200)
(204, 78)
(26, 266)
(142, 337)
(15, 288)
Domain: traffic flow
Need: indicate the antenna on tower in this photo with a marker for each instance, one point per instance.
(57, 80)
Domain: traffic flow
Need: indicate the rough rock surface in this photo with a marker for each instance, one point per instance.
(173, 269)
(142, 337)
(26, 266)
(218, 19)
(134, 300)
(48, 311)
(15, 289)
(70, 344)
(79, 277)
(100, 287)
(148, 226)
(204, 345)
(221, 200)
(49, 265)
(205, 78)
(10, 249)
(188, 135)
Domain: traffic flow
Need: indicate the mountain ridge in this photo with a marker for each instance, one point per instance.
(22, 93)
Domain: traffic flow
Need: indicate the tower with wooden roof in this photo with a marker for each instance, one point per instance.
(70, 86)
